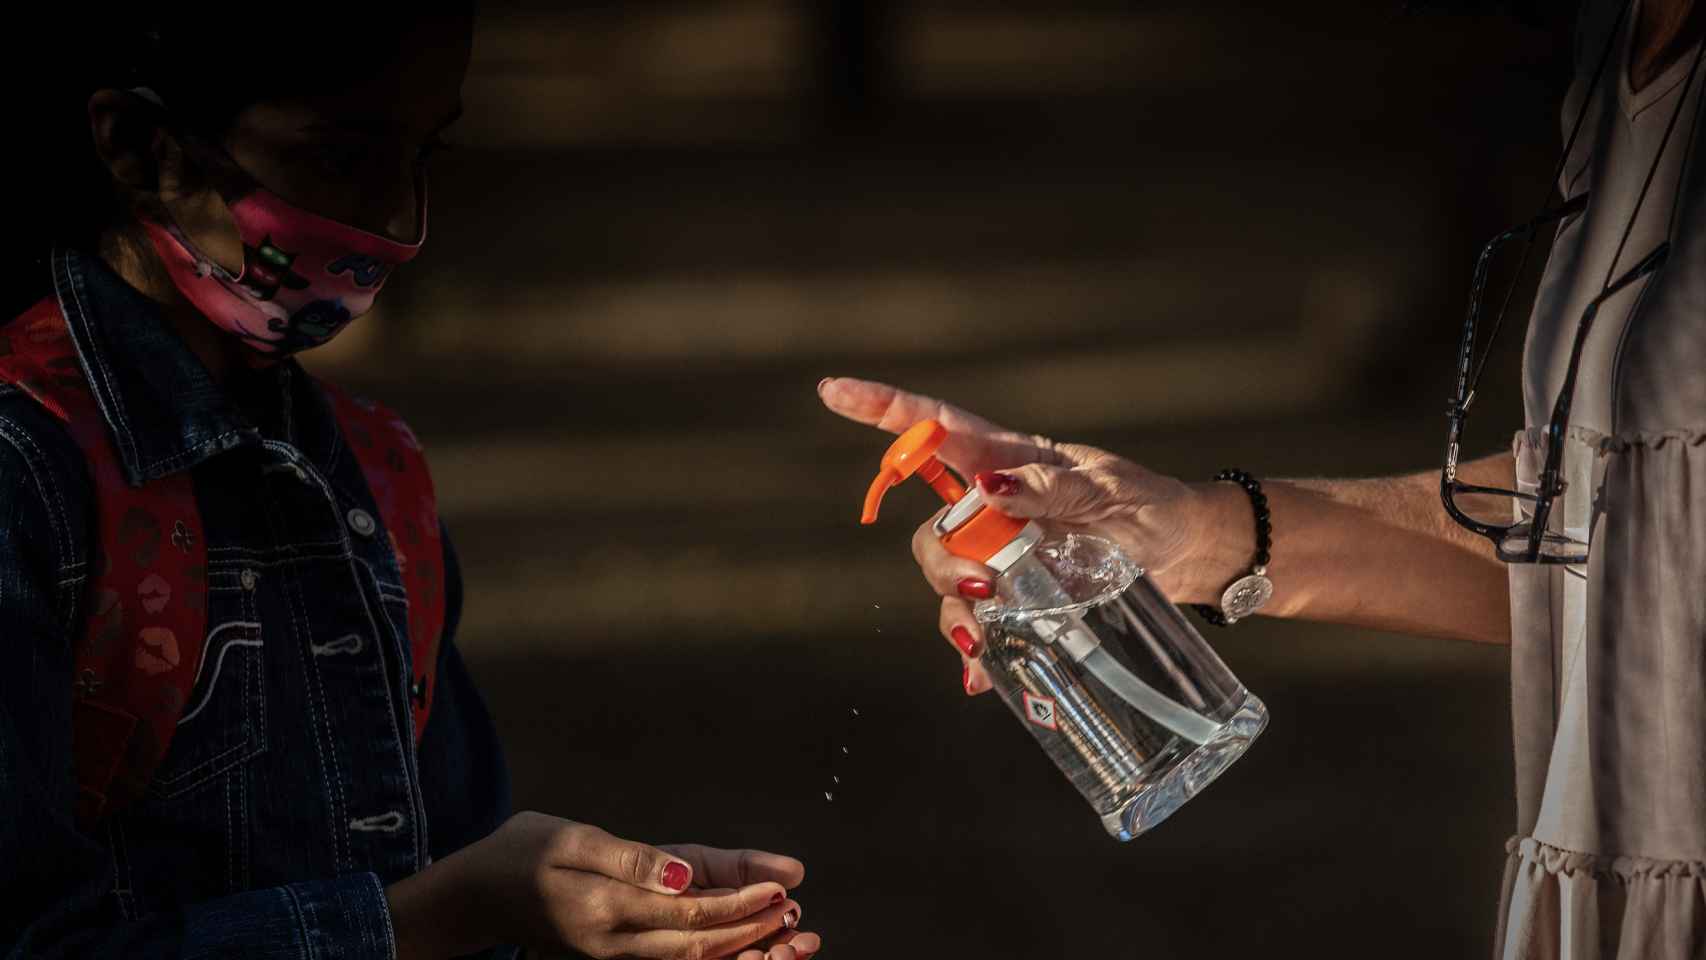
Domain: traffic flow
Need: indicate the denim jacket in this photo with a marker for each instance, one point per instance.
(295, 793)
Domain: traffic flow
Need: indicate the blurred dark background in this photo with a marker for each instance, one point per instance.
(1198, 234)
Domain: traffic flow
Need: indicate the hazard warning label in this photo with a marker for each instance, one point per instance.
(1040, 711)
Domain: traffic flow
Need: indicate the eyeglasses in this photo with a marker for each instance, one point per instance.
(1528, 539)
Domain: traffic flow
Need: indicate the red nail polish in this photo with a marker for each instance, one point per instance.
(676, 875)
(964, 640)
(965, 679)
(777, 898)
(976, 588)
(791, 919)
(998, 484)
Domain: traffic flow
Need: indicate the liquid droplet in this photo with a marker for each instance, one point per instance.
(829, 797)
(845, 750)
(836, 779)
(855, 711)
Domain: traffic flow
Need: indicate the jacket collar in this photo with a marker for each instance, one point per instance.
(163, 409)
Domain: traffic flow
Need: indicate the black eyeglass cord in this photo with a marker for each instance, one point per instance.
(1551, 185)
(1264, 532)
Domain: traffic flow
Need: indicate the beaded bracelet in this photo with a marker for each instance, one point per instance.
(1250, 591)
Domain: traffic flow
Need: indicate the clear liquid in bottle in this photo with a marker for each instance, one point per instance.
(1122, 693)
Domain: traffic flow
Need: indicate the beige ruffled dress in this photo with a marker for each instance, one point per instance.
(1608, 660)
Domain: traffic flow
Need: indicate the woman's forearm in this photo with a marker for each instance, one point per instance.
(1378, 553)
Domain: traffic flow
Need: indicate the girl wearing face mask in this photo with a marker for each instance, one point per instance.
(234, 719)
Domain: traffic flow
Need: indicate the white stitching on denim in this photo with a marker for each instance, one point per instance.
(286, 548)
(305, 938)
(317, 693)
(348, 643)
(225, 565)
(166, 788)
(404, 753)
(213, 635)
(257, 677)
(385, 918)
(202, 451)
(242, 778)
(322, 734)
(268, 469)
(58, 521)
(117, 854)
(230, 865)
(20, 438)
(120, 426)
(218, 665)
(388, 822)
(254, 744)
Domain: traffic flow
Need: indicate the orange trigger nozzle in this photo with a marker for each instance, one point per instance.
(874, 496)
(914, 452)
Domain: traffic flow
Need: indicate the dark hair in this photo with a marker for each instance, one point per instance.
(206, 61)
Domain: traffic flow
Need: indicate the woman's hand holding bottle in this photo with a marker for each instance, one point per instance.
(1071, 486)
(551, 884)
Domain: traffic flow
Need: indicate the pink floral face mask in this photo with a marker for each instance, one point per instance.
(303, 279)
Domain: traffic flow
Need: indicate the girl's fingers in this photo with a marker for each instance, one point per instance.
(718, 941)
(581, 846)
(803, 944)
(713, 866)
(947, 574)
(700, 909)
(785, 945)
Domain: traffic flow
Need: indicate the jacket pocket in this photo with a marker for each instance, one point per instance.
(224, 718)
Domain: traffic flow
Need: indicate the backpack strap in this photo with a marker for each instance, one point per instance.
(396, 470)
(145, 608)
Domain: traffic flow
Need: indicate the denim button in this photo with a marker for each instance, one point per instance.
(361, 522)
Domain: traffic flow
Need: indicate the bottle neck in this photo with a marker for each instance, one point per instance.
(973, 530)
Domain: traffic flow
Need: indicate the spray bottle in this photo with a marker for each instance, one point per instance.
(1123, 694)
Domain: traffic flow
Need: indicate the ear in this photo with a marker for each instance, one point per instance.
(154, 172)
(124, 127)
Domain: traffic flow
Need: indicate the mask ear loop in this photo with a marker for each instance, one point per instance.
(168, 223)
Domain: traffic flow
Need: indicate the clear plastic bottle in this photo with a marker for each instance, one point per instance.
(1122, 693)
